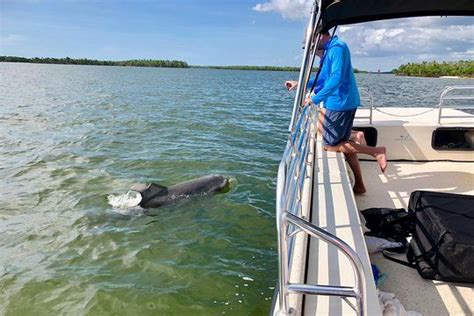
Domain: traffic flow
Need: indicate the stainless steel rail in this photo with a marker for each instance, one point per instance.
(445, 97)
(292, 173)
(367, 100)
(308, 57)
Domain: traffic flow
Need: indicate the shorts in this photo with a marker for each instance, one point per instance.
(337, 126)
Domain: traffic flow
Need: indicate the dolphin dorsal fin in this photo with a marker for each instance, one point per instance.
(156, 188)
(152, 191)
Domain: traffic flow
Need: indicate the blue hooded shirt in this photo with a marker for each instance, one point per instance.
(336, 86)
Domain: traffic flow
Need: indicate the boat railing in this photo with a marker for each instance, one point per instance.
(447, 95)
(367, 101)
(294, 169)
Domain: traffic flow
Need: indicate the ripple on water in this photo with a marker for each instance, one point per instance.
(74, 134)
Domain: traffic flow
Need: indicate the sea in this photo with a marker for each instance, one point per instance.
(74, 139)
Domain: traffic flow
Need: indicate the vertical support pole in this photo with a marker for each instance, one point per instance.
(440, 108)
(371, 107)
(302, 80)
(282, 228)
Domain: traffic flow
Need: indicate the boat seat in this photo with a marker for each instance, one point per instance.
(335, 210)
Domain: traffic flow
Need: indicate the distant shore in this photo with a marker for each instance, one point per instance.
(85, 61)
(159, 63)
(454, 69)
(141, 63)
(264, 68)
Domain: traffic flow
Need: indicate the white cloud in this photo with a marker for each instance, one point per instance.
(468, 54)
(387, 44)
(289, 9)
(392, 42)
(417, 37)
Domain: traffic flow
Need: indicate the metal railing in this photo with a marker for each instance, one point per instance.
(292, 173)
(367, 100)
(445, 96)
(308, 59)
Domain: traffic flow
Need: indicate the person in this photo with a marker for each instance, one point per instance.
(337, 90)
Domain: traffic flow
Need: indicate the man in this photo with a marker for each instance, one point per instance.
(337, 89)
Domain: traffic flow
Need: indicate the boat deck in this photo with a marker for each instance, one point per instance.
(393, 190)
(334, 209)
(407, 134)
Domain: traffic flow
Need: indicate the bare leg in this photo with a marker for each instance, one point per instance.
(353, 162)
(379, 153)
(358, 137)
(322, 111)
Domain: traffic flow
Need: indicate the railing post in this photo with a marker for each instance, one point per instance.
(300, 92)
(282, 228)
(444, 97)
(288, 200)
(356, 263)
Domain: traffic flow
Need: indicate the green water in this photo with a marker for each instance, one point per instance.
(72, 135)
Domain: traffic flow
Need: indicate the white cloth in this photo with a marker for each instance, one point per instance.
(375, 244)
(392, 307)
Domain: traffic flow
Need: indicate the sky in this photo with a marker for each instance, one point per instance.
(216, 32)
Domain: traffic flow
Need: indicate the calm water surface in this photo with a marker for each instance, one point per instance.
(71, 135)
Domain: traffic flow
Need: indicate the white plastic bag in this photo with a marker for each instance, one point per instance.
(392, 307)
(375, 244)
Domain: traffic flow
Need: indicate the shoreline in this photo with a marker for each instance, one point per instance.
(239, 68)
(176, 64)
(250, 68)
(435, 77)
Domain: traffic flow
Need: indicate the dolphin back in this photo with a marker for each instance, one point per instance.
(201, 185)
(156, 195)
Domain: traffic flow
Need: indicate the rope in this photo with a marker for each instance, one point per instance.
(410, 115)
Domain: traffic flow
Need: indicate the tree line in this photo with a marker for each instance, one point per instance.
(142, 63)
(268, 68)
(462, 68)
(86, 61)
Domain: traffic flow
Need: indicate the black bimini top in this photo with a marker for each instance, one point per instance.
(340, 12)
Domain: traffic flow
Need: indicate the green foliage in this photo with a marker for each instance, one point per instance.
(462, 68)
(85, 61)
(268, 68)
(142, 63)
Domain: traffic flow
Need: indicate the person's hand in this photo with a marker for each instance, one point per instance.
(291, 85)
(307, 101)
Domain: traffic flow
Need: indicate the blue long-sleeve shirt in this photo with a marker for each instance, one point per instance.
(336, 86)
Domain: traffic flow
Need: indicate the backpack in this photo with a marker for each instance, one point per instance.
(390, 224)
(442, 244)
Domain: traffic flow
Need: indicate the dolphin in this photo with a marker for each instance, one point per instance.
(156, 195)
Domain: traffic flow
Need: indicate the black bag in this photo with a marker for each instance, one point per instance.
(442, 247)
(391, 224)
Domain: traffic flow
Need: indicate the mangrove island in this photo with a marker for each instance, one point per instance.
(85, 61)
(462, 68)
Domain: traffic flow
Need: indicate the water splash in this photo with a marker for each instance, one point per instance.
(127, 203)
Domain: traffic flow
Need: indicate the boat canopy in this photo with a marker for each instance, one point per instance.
(340, 12)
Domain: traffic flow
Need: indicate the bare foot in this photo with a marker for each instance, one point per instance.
(359, 189)
(382, 159)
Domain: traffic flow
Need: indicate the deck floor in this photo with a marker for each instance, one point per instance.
(335, 210)
(393, 190)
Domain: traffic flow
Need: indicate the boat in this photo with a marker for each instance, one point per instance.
(324, 264)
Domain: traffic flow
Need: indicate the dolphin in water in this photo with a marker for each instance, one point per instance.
(155, 195)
